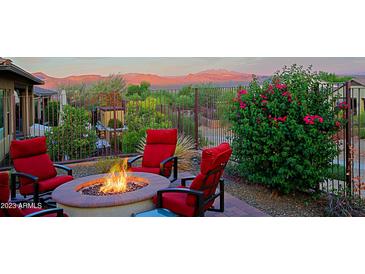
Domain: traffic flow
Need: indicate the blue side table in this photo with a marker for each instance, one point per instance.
(158, 212)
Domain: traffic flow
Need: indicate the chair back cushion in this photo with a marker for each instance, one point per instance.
(160, 145)
(7, 209)
(30, 156)
(4, 187)
(211, 170)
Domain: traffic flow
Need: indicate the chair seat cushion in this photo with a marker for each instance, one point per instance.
(146, 169)
(176, 202)
(46, 185)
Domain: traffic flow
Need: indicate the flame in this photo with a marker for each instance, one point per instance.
(117, 179)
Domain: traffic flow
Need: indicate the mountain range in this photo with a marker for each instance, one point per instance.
(219, 77)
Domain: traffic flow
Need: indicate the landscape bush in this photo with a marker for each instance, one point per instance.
(52, 113)
(141, 116)
(74, 138)
(283, 130)
(119, 123)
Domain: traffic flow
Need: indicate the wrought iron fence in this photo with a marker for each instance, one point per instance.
(81, 126)
(346, 175)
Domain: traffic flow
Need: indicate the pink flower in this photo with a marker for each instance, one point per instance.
(343, 105)
(243, 105)
(279, 119)
(264, 102)
(338, 124)
(310, 119)
(270, 89)
(263, 96)
(242, 92)
(282, 119)
(287, 94)
(280, 86)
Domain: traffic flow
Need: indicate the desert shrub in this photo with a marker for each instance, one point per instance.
(141, 116)
(140, 90)
(106, 92)
(185, 151)
(341, 205)
(333, 78)
(73, 138)
(185, 101)
(186, 127)
(52, 113)
(119, 123)
(283, 130)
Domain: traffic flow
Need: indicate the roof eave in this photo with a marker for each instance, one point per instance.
(23, 73)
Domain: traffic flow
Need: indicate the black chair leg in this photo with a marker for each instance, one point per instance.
(221, 196)
(13, 186)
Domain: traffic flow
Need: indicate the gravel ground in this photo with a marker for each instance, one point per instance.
(259, 196)
(295, 205)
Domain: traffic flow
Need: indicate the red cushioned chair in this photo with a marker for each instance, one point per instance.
(158, 156)
(200, 196)
(11, 209)
(36, 172)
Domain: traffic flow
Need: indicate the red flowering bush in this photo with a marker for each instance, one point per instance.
(283, 130)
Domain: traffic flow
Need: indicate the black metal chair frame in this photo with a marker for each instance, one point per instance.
(162, 165)
(199, 194)
(37, 196)
(57, 211)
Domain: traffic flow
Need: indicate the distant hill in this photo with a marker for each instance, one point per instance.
(218, 77)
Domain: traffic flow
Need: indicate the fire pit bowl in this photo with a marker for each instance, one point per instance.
(81, 197)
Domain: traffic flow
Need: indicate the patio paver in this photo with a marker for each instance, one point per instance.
(234, 207)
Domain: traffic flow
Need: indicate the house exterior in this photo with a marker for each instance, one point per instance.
(17, 103)
(108, 113)
(357, 94)
(42, 97)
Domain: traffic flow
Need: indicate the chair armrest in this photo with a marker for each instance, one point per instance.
(133, 159)
(24, 175)
(66, 168)
(14, 175)
(198, 194)
(164, 162)
(183, 180)
(58, 211)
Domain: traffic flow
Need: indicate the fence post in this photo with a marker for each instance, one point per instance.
(196, 117)
(348, 145)
(115, 125)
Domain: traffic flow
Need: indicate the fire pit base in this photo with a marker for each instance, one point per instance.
(113, 211)
(77, 204)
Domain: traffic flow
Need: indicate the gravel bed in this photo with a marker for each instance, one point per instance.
(295, 205)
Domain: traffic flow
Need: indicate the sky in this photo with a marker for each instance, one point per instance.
(174, 66)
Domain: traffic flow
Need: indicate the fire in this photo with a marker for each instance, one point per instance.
(117, 179)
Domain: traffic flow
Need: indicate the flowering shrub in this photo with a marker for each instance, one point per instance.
(283, 130)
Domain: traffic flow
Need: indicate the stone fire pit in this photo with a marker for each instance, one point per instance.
(75, 202)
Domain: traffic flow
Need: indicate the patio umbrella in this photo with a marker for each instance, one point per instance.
(63, 102)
